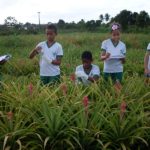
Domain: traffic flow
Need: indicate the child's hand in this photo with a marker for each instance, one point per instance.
(147, 71)
(104, 55)
(35, 51)
(107, 55)
(123, 60)
(38, 50)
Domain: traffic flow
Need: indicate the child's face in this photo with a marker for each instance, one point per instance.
(50, 34)
(86, 63)
(115, 35)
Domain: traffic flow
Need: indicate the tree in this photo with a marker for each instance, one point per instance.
(98, 23)
(19, 26)
(27, 26)
(143, 19)
(10, 21)
(91, 25)
(134, 17)
(124, 18)
(101, 17)
(61, 23)
(107, 17)
(81, 24)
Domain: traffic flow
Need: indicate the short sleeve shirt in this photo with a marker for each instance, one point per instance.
(95, 71)
(113, 65)
(48, 53)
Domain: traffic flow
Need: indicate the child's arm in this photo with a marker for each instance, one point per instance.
(123, 51)
(146, 59)
(57, 61)
(2, 62)
(104, 55)
(34, 52)
(95, 78)
(96, 75)
(59, 56)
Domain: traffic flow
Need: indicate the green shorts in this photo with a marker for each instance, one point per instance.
(50, 79)
(114, 76)
(147, 75)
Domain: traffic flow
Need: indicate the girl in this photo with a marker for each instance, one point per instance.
(113, 55)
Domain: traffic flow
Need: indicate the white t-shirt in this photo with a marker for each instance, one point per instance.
(94, 71)
(148, 48)
(113, 65)
(48, 69)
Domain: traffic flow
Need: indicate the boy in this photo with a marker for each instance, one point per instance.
(51, 54)
(87, 72)
(147, 64)
(113, 55)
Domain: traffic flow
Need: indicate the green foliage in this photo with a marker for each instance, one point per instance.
(131, 22)
(127, 19)
(40, 117)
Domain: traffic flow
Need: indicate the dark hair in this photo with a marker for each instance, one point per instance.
(87, 55)
(52, 27)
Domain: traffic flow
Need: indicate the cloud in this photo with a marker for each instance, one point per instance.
(52, 11)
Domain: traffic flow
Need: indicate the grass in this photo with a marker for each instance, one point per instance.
(35, 117)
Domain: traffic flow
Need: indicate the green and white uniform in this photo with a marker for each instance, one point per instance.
(82, 76)
(48, 72)
(113, 66)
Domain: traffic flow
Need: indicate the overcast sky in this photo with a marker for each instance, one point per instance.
(68, 10)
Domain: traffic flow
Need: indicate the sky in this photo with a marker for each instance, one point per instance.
(68, 10)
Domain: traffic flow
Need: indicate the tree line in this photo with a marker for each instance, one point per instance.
(130, 21)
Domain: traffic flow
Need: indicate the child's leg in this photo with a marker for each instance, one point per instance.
(116, 77)
(117, 82)
(113, 77)
(119, 76)
(106, 76)
(147, 79)
(44, 80)
(54, 79)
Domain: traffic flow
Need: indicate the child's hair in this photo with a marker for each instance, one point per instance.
(115, 26)
(87, 55)
(52, 27)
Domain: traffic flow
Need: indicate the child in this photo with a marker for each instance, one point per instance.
(113, 55)
(87, 72)
(51, 54)
(147, 63)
